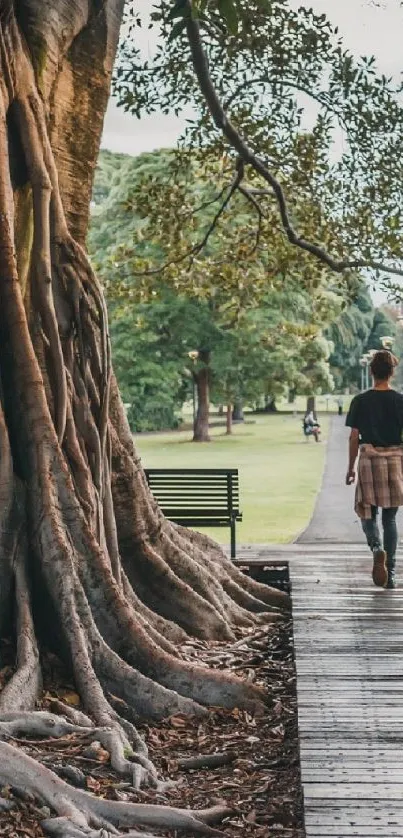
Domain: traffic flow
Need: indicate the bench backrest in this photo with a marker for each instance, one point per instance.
(195, 491)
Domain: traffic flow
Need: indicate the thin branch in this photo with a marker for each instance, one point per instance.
(322, 98)
(249, 197)
(193, 251)
(220, 119)
(204, 205)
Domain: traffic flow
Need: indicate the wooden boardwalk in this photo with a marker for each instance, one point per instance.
(349, 659)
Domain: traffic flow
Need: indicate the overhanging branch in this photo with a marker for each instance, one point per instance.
(239, 144)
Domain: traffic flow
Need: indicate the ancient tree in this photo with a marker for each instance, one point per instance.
(86, 558)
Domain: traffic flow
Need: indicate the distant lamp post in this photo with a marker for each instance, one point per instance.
(364, 369)
(365, 362)
(193, 355)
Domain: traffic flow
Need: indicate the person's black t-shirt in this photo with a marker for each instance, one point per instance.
(378, 415)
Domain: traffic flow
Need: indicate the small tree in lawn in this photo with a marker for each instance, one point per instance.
(239, 367)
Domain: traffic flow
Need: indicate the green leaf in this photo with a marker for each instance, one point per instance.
(228, 11)
(177, 29)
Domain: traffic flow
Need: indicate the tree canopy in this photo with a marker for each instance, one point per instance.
(310, 123)
(354, 332)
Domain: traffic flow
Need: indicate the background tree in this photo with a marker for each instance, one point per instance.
(247, 311)
(83, 545)
(149, 362)
(358, 329)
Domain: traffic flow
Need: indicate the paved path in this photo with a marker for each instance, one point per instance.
(334, 519)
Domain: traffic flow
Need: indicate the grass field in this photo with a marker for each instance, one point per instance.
(279, 472)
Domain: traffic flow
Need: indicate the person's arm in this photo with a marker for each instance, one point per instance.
(353, 444)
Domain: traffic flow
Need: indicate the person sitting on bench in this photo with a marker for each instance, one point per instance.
(311, 426)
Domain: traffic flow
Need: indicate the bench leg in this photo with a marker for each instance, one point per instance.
(233, 542)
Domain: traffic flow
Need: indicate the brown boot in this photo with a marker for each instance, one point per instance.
(379, 570)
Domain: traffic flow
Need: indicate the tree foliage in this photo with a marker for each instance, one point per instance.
(358, 329)
(260, 319)
(322, 126)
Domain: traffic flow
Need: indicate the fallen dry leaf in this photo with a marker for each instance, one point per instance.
(71, 698)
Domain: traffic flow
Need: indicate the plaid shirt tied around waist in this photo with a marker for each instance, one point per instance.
(380, 479)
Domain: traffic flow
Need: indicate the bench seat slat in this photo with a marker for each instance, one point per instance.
(189, 487)
(181, 486)
(174, 511)
(192, 503)
(198, 471)
(194, 499)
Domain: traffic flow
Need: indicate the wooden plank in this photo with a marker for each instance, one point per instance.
(358, 811)
(366, 832)
(354, 791)
(353, 774)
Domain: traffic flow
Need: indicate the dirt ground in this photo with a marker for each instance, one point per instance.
(260, 777)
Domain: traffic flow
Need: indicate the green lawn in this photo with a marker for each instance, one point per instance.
(279, 472)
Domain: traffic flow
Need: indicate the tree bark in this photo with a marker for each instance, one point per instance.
(270, 405)
(310, 405)
(83, 546)
(237, 413)
(202, 379)
(229, 419)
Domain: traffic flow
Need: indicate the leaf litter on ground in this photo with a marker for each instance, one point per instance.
(257, 773)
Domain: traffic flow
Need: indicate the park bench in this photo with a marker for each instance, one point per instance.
(198, 497)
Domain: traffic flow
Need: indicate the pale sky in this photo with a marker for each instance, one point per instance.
(367, 29)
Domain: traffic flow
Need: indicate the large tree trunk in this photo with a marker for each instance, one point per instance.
(237, 413)
(82, 542)
(201, 425)
(228, 422)
(270, 404)
(310, 404)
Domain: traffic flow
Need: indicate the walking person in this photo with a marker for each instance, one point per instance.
(376, 421)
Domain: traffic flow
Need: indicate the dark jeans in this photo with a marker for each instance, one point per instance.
(370, 527)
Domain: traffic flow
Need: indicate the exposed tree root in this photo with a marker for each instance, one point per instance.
(169, 555)
(41, 724)
(87, 561)
(81, 810)
(24, 687)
